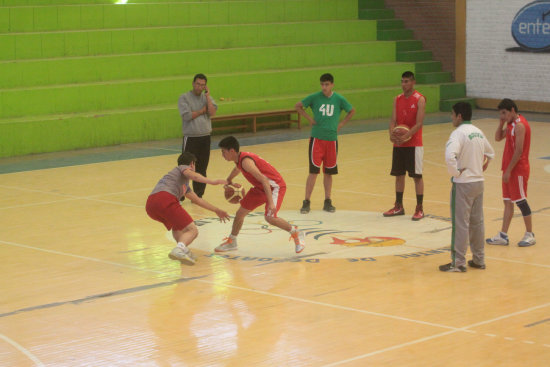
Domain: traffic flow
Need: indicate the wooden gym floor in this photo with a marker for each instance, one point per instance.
(86, 280)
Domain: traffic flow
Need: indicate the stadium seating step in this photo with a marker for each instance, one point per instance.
(434, 77)
(375, 14)
(447, 104)
(422, 55)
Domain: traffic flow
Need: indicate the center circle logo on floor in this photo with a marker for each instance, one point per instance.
(343, 234)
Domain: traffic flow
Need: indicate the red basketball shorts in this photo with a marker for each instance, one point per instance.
(515, 189)
(323, 152)
(165, 208)
(256, 197)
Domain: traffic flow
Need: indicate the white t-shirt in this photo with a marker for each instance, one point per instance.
(465, 151)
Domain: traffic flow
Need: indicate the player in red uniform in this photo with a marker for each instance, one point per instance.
(409, 109)
(515, 171)
(268, 187)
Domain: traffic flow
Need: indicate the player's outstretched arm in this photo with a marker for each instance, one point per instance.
(222, 214)
(234, 173)
(197, 177)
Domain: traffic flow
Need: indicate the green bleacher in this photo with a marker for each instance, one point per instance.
(428, 71)
(88, 73)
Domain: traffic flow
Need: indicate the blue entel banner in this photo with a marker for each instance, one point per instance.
(531, 26)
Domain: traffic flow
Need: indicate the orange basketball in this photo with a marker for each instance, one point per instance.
(233, 194)
(401, 130)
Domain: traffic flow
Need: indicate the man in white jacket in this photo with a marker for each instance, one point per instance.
(467, 155)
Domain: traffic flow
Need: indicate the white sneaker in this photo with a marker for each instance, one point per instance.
(527, 240)
(186, 258)
(229, 244)
(299, 238)
(500, 239)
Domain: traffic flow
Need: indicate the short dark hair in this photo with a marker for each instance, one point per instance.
(507, 104)
(327, 77)
(186, 158)
(408, 74)
(200, 76)
(229, 142)
(463, 109)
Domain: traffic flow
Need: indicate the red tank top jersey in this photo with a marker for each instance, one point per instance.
(406, 109)
(522, 167)
(274, 177)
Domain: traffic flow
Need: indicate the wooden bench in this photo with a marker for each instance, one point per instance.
(253, 118)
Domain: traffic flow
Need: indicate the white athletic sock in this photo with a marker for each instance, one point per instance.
(294, 229)
(183, 247)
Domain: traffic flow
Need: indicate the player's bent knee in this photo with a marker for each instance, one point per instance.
(192, 230)
(241, 213)
(524, 207)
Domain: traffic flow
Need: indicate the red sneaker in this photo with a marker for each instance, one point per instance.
(396, 210)
(418, 213)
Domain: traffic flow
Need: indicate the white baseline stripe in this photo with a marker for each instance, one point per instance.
(71, 197)
(234, 287)
(435, 336)
(398, 346)
(452, 329)
(81, 257)
(517, 262)
(23, 350)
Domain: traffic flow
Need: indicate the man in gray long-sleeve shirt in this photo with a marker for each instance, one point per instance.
(196, 108)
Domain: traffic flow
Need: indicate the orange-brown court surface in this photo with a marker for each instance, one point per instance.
(86, 280)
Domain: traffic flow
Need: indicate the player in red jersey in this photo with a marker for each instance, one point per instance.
(515, 171)
(409, 109)
(268, 187)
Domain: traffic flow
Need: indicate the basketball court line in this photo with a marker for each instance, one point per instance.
(92, 197)
(517, 262)
(23, 350)
(302, 300)
(435, 336)
(101, 295)
(537, 323)
(228, 285)
(72, 197)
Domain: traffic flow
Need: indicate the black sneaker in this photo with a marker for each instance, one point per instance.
(305, 207)
(472, 264)
(328, 206)
(450, 268)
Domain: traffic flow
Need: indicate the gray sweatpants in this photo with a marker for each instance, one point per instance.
(468, 226)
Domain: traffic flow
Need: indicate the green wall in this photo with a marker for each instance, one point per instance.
(94, 73)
